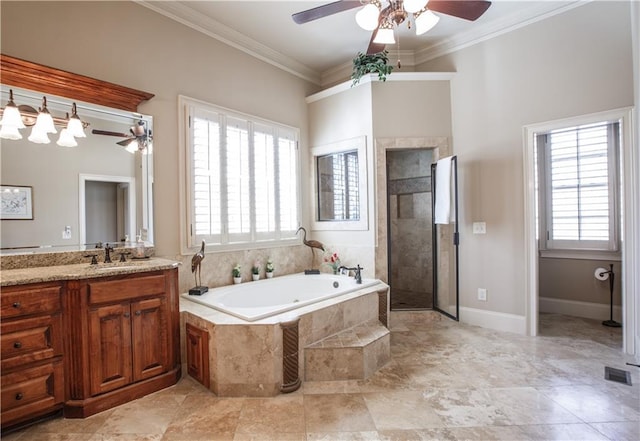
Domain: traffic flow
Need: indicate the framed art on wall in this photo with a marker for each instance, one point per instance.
(17, 202)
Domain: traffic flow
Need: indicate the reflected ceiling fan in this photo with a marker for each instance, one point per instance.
(138, 138)
(381, 19)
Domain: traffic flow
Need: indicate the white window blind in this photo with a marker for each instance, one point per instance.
(346, 204)
(580, 178)
(243, 178)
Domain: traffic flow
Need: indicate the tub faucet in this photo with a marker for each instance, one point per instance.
(357, 272)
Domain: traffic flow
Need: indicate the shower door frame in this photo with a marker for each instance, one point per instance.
(456, 239)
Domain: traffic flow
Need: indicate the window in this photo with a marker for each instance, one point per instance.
(578, 182)
(243, 179)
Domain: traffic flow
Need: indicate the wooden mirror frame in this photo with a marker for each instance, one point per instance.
(48, 80)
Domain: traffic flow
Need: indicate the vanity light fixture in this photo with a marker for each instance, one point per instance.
(16, 117)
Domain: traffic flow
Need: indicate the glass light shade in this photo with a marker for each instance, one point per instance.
(44, 122)
(412, 6)
(10, 132)
(66, 139)
(367, 17)
(11, 117)
(425, 21)
(132, 147)
(384, 36)
(74, 127)
(39, 136)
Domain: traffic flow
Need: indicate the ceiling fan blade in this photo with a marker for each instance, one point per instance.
(124, 142)
(469, 10)
(106, 132)
(324, 10)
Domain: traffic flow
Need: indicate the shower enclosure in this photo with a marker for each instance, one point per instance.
(422, 255)
(410, 228)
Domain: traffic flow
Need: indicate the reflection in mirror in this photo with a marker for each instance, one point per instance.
(97, 191)
(340, 185)
(338, 189)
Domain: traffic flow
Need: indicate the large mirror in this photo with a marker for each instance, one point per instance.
(99, 191)
(340, 185)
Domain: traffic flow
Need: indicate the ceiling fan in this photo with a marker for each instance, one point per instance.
(138, 138)
(382, 20)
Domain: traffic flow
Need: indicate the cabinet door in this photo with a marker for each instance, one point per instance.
(197, 343)
(150, 338)
(110, 347)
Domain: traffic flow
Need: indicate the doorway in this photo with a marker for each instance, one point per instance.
(409, 213)
(107, 209)
(629, 227)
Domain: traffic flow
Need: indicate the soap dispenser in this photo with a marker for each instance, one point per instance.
(140, 252)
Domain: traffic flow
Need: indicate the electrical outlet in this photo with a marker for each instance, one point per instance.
(66, 233)
(479, 228)
(482, 294)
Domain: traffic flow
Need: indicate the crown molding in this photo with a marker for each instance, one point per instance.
(498, 27)
(370, 78)
(214, 29)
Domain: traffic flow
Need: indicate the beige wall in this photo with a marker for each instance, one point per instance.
(128, 44)
(571, 64)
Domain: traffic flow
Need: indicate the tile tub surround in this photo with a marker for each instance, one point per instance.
(458, 381)
(246, 357)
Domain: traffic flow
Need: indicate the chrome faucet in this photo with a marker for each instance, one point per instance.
(357, 272)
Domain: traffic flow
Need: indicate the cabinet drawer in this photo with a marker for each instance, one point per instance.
(125, 289)
(31, 391)
(31, 301)
(32, 339)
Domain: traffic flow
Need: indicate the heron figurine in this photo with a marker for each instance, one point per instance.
(196, 262)
(311, 244)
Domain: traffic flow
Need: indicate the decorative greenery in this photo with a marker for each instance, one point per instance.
(365, 64)
(269, 266)
(255, 269)
(236, 270)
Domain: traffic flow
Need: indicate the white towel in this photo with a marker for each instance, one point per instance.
(444, 211)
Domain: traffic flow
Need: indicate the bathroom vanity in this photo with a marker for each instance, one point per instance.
(83, 338)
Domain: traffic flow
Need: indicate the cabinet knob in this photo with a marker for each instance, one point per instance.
(127, 315)
(17, 345)
(16, 304)
(19, 396)
(138, 313)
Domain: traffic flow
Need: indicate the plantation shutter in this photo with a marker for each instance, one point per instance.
(581, 180)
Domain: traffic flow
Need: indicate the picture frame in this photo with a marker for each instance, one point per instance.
(16, 202)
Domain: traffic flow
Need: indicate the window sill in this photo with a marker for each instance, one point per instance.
(581, 254)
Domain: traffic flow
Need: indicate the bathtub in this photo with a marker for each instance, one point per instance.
(253, 301)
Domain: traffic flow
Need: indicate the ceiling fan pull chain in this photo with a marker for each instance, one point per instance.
(399, 65)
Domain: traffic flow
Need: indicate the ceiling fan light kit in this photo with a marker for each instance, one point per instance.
(138, 139)
(382, 20)
(15, 118)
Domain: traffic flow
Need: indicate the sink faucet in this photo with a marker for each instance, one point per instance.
(357, 272)
(107, 253)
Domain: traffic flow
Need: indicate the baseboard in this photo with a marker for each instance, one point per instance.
(597, 311)
(499, 321)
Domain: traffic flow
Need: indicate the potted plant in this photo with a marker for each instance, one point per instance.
(255, 271)
(365, 64)
(237, 276)
(268, 268)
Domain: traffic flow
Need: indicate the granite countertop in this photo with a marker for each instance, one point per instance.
(78, 271)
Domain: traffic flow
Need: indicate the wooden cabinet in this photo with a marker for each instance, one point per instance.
(31, 352)
(87, 345)
(197, 348)
(125, 341)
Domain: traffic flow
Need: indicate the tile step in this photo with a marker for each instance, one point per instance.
(353, 354)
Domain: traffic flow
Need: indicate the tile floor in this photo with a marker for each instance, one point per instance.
(446, 381)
